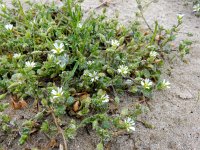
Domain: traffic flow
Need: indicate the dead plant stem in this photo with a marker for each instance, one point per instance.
(59, 129)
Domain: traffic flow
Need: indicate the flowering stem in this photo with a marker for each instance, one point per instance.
(142, 15)
(155, 32)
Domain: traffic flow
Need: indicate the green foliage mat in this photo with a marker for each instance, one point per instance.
(76, 67)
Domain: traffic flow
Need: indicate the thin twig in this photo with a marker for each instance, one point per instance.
(59, 129)
(113, 88)
(46, 136)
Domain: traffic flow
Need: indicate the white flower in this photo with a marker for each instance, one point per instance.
(94, 76)
(30, 64)
(146, 83)
(153, 54)
(123, 70)
(115, 43)
(17, 56)
(90, 62)
(80, 25)
(196, 8)
(9, 26)
(165, 84)
(57, 93)
(180, 16)
(58, 48)
(105, 98)
(130, 124)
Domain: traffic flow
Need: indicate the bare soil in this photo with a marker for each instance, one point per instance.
(173, 112)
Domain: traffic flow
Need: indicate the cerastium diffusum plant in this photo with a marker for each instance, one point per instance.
(196, 7)
(75, 67)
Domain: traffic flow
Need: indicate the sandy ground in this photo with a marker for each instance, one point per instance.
(175, 112)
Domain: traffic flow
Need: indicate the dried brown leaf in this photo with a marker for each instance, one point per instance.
(18, 105)
(76, 106)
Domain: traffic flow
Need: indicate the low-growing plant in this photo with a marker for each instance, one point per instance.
(78, 67)
(196, 7)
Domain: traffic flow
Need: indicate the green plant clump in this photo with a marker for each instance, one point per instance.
(196, 7)
(75, 67)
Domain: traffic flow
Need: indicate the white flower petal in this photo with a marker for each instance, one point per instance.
(54, 51)
(9, 26)
(61, 45)
(115, 43)
(16, 56)
(56, 45)
(132, 128)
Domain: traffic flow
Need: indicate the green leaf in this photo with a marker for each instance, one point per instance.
(2, 96)
(13, 85)
(100, 146)
(45, 126)
(102, 37)
(70, 101)
(121, 40)
(124, 112)
(117, 99)
(133, 89)
(60, 110)
(3, 106)
(23, 139)
(106, 124)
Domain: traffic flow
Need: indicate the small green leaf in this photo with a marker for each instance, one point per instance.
(45, 126)
(70, 100)
(117, 99)
(100, 146)
(106, 124)
(124, 112)
(23, 139)
(121, 40)
(13, 85)
(2, 96)
(133, 89)
(60, 110)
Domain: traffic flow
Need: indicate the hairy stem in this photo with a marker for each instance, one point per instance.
(142, 14)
